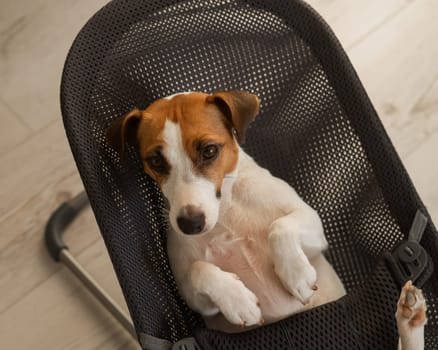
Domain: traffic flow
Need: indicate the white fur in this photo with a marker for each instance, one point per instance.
(260, 253)
(184, 187)
(262, 232)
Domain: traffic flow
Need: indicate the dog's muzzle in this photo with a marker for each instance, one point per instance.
(191, 220)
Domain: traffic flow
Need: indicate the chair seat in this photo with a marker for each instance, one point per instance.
(317, 130)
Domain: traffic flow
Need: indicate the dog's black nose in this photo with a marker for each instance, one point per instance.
(191, 220)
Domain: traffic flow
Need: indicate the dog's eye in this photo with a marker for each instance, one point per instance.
(157, 163)
(210, 152)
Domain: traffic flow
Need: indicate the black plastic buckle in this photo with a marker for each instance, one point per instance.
(409, 261)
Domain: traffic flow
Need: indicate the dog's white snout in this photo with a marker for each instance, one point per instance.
(191, 220)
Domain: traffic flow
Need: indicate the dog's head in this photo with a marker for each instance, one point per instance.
(187, 145)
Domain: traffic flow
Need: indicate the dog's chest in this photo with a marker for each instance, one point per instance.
(239, 238)
(243, 253)
(242, 248)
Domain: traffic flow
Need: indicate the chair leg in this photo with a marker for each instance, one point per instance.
(58, 250)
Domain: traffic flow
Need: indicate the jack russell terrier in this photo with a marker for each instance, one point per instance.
(244, 248)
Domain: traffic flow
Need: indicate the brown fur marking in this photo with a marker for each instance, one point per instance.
(199, 121)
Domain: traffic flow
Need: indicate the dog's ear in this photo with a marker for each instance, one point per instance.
(124, 130)
(239, 107)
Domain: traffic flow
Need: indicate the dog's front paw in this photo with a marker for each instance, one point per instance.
(237, 303)
(411, 308)
(299, 278)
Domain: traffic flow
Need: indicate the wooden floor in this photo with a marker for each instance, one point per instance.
(392, 44)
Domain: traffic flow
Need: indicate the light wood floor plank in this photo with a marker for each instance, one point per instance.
(61, 314)
(36, 164)
(397, 64)
(33, 48)
(352, 21)
(13, 130)
(24, 261)
(12, 14)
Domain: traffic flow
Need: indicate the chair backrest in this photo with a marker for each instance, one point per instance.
(317, 130)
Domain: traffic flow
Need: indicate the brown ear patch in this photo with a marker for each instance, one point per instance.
(239, 107)
(124, 130)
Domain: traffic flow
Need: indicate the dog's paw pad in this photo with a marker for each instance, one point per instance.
(411, 307)
(410, 299)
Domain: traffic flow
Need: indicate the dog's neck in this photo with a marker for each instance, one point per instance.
(230, 191)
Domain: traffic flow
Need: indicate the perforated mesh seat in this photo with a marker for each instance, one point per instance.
(317, 130)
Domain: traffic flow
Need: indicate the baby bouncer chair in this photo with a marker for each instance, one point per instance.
(316, 129)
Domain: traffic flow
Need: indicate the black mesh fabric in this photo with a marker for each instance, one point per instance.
(361, 320)
(317, 130)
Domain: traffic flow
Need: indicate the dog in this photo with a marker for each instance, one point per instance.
(244, 248)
